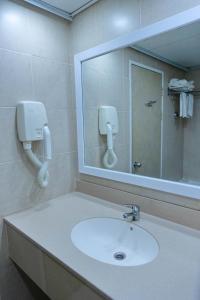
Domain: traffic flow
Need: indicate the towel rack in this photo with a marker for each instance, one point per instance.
(173, 92)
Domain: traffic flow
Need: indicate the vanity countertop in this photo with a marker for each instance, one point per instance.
(174, 274)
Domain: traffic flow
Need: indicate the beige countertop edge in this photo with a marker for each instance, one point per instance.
(56, 259)
(173, 240)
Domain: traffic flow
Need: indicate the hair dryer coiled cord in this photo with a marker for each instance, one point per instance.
(110, 158)
(43, 174)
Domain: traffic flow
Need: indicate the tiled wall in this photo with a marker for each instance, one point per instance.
(108, 19)
(34, 65)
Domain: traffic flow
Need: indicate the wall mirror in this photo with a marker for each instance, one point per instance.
(138, 107)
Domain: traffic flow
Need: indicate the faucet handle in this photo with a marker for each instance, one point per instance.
(136, 207)
(135, 211)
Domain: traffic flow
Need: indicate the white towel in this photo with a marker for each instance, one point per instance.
(183, 105)
(190, 105)
(186, 105)
(186, 98)
(181, 85)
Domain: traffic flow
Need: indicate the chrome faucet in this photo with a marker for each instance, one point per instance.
(134, 214)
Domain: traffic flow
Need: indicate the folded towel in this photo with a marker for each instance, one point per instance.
(190, 105)
(186, 105)
(183, 105)
(181, 85)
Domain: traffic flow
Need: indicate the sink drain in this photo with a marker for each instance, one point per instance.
(119, 255)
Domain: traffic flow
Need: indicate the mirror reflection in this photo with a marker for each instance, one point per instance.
(141, 107)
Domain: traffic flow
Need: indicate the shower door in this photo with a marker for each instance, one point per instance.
(146, 98)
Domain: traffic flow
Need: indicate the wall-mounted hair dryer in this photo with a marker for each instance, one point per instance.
(32, 125)
(108, 125)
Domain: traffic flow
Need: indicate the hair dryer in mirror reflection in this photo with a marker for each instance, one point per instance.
(32, 125)
(108, 125)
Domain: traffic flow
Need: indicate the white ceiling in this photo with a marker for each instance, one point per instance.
(180, 46)
(68, 5)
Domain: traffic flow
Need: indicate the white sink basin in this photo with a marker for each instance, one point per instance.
(115, 241)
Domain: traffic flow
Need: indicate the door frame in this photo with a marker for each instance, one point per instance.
(131, 64)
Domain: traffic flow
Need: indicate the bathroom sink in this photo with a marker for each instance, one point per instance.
(115, 241)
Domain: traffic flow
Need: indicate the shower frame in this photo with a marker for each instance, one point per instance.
(135, 63)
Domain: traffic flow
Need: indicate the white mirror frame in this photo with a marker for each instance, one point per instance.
(174, 22)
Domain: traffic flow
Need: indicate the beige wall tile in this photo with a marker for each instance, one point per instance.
(19, 189)
(63, 170)
(51, 82)
(10, 150)
(49, 36)
(13, 21)
(16, 180)
(62, 124)
(15, 78)
(104, 21)
(34, 57)
(155, 10)
(42, 30)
